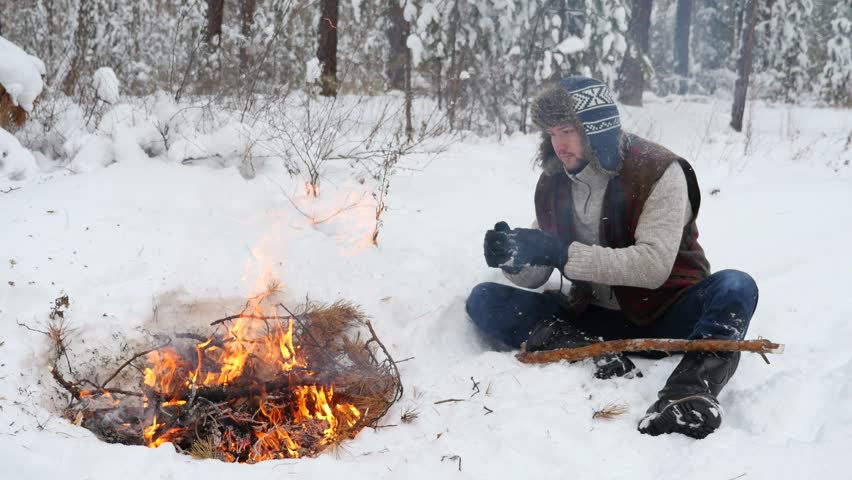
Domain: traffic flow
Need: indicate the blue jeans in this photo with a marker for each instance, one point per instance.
(720, 307)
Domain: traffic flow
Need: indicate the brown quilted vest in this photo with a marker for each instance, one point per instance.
(643, 163)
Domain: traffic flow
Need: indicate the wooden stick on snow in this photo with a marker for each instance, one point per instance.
(761, 346)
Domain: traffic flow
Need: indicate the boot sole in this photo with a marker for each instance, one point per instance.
(694, 416)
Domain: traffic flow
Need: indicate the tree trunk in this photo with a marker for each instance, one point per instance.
(744, 65)
(683, 19)
(210, 64)
(528, 67)
(632, 67)
(327, 50)
(397, 35)
(135, 29)
(215, 15)
(735, 27)
(81, 46)
(439, 65)
(247, 11)
(51, 35)
(409, 95)
(453, 71)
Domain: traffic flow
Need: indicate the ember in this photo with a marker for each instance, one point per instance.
(262, 386)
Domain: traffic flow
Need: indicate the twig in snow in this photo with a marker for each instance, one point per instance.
(313, 219)
(452, 458)
(475, 387)
(32, 329)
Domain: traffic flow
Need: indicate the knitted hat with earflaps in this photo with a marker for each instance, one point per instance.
(585, 102)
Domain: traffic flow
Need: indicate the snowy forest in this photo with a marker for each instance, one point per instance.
(263, 231)
(478, 59)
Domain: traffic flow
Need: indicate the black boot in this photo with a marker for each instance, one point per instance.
(555, 333)
(688, 404)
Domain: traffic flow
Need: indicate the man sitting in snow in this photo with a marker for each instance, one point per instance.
(616, 214)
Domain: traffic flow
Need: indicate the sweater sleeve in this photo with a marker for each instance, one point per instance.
(648, 263)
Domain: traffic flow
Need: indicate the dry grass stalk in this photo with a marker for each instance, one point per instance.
(610, 411)
(204, 449)
(58, 331)
(409, 415)
(12, 117)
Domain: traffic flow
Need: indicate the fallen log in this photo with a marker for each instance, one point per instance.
(761, 346)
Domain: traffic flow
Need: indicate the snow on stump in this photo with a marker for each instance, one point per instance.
(20, 84)
(106, 85)
(266, 384)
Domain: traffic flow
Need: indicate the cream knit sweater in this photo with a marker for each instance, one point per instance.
(646, 264)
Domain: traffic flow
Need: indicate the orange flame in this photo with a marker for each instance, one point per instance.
(311, 189)
(256, 352)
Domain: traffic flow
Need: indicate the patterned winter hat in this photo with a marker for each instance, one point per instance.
(587, 102)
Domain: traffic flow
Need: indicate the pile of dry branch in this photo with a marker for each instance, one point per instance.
(12, 117)
(261, 386)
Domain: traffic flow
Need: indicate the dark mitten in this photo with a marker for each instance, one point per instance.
(498, 248)
(534, 247)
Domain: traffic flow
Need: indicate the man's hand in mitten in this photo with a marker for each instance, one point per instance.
(511, 249)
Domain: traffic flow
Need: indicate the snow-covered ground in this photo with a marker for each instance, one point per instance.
(147, 232)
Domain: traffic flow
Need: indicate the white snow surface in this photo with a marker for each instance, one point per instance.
(16, 162)
(148, 232)
(20, 74)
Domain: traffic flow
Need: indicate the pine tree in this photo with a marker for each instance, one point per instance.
(836, 79)
(712, 34)
(784, 53)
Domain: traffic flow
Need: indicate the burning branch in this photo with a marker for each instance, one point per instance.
(129, 361)
(73, 389)
(761, 346)
(247, 316)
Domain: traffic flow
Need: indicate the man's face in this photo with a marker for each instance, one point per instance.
(568, 145)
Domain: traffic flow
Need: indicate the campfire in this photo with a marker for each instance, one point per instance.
(267, 383)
